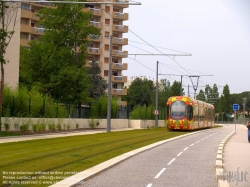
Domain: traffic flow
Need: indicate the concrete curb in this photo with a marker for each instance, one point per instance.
(91, 172)
(219, 162)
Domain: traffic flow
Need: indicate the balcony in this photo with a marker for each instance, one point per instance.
(121, 54)
(26, 28)
(123, 91)
(42, 4)
(95, 38)
(94, 11)
(119, 66)
(120, 28)
(88, 64)
(96, 24)
(120, 16)
(118, 3)
(94, 51)
(24, 42)
(117, 79)
(120, 41)
(39, 29)
(26, 14)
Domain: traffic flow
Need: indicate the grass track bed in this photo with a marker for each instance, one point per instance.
(74, 154)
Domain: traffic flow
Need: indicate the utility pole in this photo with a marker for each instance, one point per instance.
(181, 87)
(156, 96)
(109, 85)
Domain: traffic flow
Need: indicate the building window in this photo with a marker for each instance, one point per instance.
(106, 34)
(107, 21)
(107, 8)
(106, 47)
(25, 6)
(106, 73)
(115, 47)
(106, 60)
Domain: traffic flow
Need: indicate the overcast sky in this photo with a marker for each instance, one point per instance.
(215, 32)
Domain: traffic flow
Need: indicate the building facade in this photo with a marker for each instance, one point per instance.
(109, 18)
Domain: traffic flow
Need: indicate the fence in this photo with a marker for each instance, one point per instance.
(47, 108)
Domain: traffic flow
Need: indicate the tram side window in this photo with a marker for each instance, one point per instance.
(205, 113)
(189, 112)
(196, 116)
(201, 113)
(209, 114)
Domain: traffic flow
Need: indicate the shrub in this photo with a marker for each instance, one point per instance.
(7, 126)
(24, 103)
(34, 127)
(94, 123)
(68, 127)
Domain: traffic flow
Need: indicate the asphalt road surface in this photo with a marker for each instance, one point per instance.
(185, 162)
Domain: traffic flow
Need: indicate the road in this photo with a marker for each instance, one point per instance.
(185, 162)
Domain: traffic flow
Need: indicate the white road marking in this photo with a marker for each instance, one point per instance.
(158, 175)
(171, 161)
(185, 149)
(149, 185)
(179, 153)
(192, 144)
(197, 141)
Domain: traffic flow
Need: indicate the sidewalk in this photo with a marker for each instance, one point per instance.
(236, 158)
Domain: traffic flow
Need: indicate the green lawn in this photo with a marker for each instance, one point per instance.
(71, 154)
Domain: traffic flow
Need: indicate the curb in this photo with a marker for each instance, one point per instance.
(219, 162)
(76, 179)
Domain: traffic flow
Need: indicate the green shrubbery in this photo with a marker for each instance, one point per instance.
(24, 103)
(143, 112)
(99, 107)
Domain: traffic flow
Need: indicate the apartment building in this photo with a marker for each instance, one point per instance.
(109, 18)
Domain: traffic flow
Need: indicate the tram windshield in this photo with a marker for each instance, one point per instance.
(178, 110)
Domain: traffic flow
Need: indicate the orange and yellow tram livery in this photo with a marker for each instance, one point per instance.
(186, 113)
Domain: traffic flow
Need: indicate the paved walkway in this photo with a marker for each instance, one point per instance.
(236, 159)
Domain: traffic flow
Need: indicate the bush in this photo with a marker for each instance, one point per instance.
(99, 107)
(7, 126)
(24, 103)
(142, 112)
(94, 123)
(34, 127)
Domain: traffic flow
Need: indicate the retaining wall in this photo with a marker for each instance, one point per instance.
(82, 123)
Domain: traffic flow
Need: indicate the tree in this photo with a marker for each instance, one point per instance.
(201, 96)
(8, 20)
(164, 92)
(211, 94)
(140, 92)
(176, 89)
(97, 84)
(224, 104)
(55, 61)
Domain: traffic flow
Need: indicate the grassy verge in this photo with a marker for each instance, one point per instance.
(38, 160)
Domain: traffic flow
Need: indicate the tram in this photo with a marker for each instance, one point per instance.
(186, 113)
